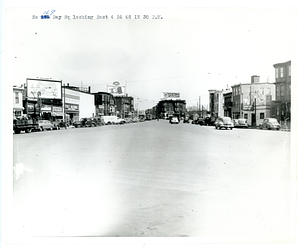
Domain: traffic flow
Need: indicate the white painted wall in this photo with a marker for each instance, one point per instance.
(86, 105)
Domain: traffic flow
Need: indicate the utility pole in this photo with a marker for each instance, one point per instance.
(200, 106)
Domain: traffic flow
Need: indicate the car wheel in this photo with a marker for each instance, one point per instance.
(28, 130)
(231, 128)
(41, 129)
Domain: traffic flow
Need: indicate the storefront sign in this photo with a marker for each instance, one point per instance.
(72, 107)
(57, 109)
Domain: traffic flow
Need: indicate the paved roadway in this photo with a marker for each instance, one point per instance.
(154, 179)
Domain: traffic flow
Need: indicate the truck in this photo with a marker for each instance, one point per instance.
(24, 124)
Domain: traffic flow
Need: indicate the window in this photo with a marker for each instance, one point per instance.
(281, 72)
(262, 115)
(282, 90)
(289, 70)
(261, 91)
(276, 72)
(17, 97)
(246, 116)
(277, 90)
(269, 91)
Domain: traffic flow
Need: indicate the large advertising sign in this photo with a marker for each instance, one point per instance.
(169, 95)
(43, 89)
(116, 89)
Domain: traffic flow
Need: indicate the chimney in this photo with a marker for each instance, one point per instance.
(254, 79)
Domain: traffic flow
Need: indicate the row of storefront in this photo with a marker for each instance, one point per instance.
(75, 103)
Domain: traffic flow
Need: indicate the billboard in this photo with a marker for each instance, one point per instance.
(169, 95)
(43, 89)
(116, 89)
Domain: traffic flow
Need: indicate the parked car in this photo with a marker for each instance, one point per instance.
(85, 122)
(270, 123)
(186, 119)
(174, 120)
(201, 121)
(45, 125)
(96, 120)
(224, 122)
(209, 121)
(58, 124)
(240, 123)
(108, 120)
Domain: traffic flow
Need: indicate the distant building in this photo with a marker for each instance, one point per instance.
(105, 104)
(124, 106)
(227, 103)
(217, 102)
(281, 106)
(166, 108)
(252, 101)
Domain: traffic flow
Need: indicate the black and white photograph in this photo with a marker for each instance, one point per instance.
(136, 124)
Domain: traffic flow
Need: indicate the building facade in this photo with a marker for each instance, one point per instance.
(124, 106)
(217, 102)
(78, 102)
(104, 104)
(18, 102)
(281, 106)
(252, 101)
(166, 108)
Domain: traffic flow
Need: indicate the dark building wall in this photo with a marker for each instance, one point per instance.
(281, 107)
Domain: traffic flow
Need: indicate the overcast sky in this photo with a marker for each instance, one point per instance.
(189, 51)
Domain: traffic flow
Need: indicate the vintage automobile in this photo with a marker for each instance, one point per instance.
(85, 122)
(108, 120)
(270, 123)
(240, 122)
(174, 120)
(224, 122)
(46, 125)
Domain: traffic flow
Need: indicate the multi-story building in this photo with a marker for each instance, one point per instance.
(227, 106)
(105, 104)
(281, 106)
(166, 108)
(124, 106)
(211, 102)
(217, 102)
(252, 101)
(18, 101)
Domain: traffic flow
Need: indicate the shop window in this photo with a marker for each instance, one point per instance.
(262, 116)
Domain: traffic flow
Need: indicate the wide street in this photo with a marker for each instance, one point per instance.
(154, 179)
